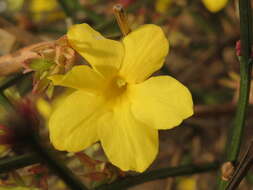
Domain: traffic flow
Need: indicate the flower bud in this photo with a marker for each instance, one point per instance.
(227, 170)
(215, 5)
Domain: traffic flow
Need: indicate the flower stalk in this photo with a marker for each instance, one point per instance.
(233, 145)
(70, 8)
(17, 162)
(51, 160)
(32, 158)
(5, 102)
(12, 81)
(159, 174)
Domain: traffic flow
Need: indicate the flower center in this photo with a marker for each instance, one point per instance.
(117, 86)
(120, 82)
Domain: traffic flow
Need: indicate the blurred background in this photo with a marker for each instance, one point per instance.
(202, 56)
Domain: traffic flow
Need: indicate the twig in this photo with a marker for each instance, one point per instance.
(210, 110)
(4, 101)
(12, 81)
(55, 164)
(242, 169)
(159, 174)
(12, 63)
(6, 84)
(70, 7)
(66, 7)
(16, 162)
(234, 142)
(21, 35)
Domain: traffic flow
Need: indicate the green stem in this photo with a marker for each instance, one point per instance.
(6, 84)
(5, 102)
(68, 6)
(233, 145)
(12, 81)
(203, 23)
(17, 162)
(71, 6)
(159, 174)
(55, 164)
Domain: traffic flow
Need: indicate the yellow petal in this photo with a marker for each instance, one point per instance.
(73, 125)
(215, 5)
(161, 102)
(44, 108)
(128, 143)
(95, 48)
(80, 77)
(145, 52)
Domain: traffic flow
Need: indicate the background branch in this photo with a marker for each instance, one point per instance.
(234, 142)
(16, 162)
(159, 174)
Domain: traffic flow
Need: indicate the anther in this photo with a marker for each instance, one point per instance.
(121, 18)
(120, 82)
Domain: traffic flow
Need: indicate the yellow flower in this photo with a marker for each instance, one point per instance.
(115, 101)
(46, 108)
(39, 6)
(15, 5)
(215, 5)
(187, 183)
(162, 5)
(45, 10)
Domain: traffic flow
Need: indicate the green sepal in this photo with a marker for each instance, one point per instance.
(41, 64)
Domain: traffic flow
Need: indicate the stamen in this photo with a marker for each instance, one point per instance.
(120, 82)
(121, 18)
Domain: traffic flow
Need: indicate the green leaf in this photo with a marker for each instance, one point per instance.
(41, 64)
(50, 90)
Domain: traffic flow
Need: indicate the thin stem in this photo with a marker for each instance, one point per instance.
(233, 145)
(5, 102)
(16, 162)
(12, 63)
(67, 7)
(55, 164)
(6, 84)
(71, 6)
(12, 81)
(159, 174)
(242, 168)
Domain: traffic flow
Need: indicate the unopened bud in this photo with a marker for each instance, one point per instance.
(238, 48)
(227, 171)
